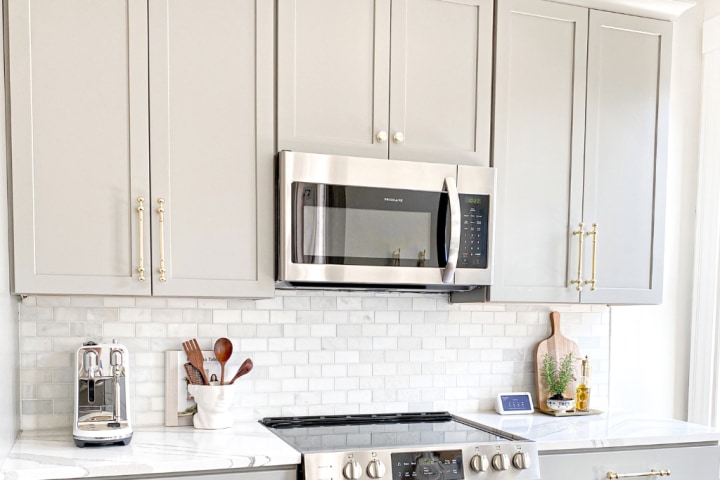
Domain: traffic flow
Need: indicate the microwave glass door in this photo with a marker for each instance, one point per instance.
(352, 225)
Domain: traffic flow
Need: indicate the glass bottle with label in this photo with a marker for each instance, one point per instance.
(582, 395)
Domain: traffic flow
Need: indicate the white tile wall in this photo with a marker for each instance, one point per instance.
(314, 352)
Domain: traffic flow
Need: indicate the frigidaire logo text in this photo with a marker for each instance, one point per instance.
(390, 199)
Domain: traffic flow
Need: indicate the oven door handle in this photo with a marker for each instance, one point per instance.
(455, 214)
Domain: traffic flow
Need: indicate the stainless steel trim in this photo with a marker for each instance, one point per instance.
(454, 247)
(329, 464)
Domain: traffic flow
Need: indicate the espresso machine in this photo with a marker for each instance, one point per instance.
(102, 409)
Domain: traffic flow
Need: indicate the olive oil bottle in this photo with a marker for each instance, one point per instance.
(582, 395)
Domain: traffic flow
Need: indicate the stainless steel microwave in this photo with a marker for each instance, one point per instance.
(349, 222)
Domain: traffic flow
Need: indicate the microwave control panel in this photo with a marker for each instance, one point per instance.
(474, 234)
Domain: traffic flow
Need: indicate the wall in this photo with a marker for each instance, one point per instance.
(322, 352)
(650, 345)
(8, 308)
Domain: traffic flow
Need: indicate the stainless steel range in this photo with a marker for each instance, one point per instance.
(419, 446)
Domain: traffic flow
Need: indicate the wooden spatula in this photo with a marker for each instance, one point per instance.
(192, 349)
(558, 346)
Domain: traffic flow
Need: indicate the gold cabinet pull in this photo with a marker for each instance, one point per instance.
(593, 281)
(141, 255)
(651, 473)
(580, 233)
(161, 214)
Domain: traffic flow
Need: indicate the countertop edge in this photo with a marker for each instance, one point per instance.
(608, 430)
(52, 455)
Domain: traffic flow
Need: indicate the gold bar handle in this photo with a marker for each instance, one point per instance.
(593, 281)
(651, 473)
(141, 256)
(580, 233)
(161, 213)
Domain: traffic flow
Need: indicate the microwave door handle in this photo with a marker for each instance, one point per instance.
(455, 214)
(319, 233)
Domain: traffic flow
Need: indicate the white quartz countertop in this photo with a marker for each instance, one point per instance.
(47, 455)
(613, 429)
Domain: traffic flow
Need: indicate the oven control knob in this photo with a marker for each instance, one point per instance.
(376, 469)
(352, 470)
(501, 461)
(521, 460)
(479, 463)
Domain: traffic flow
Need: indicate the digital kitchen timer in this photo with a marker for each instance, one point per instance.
(514, 403)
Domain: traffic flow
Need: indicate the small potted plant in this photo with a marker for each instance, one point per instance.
(557, 378)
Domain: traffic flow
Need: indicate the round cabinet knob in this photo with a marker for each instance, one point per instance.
(376, 469)
(479, 463)
(381, 136)
(521, 460)
(352, 471)
(399, 137)
(500, 461)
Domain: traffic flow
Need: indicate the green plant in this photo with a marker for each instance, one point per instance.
(557, 378)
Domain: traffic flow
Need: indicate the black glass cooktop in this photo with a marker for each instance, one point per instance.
(375, 431)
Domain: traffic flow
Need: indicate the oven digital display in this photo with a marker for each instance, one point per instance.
(433, 465)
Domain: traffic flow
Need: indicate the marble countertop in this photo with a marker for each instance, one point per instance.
(613, 429)
(51, 454)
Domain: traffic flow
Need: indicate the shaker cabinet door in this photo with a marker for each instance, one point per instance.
(79, 145)
(441, 81)
(333, 76)
(538, 149)
(407, 80)
(580, 138)
(681, 462)
(211, 107)
(626, 156)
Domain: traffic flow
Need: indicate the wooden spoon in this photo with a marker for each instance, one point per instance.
(246, 366)
(223, 350)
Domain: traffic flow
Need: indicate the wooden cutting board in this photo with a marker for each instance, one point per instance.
(558, 346)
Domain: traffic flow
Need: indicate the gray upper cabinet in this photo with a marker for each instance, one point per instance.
(408, 80)
(580, 137)
(79, 139)
(626, 138)
(84, 204)
(211, 124)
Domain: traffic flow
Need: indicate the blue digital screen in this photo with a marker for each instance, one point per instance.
(513, 403)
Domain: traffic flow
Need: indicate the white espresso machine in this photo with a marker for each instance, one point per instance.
(102, 409)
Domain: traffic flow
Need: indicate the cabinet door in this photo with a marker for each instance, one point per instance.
(685, 462)
(626, 155)
(333, 76)
(79, 142)
(441, 81)
(281, 473)
(211, 110)
(538, 149)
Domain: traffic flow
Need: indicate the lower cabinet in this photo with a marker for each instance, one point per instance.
(684, 462)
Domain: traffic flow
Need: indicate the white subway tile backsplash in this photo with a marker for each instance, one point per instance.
(212, 303)
(212, 330)
(197, 316)
(117, 302)
(166, 315)
(182, 303)
(151, 330)
(314, 352)
(53, 301)
(135, 315)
